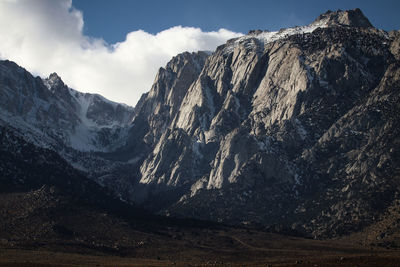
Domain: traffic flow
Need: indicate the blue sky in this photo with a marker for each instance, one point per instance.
(112, 20)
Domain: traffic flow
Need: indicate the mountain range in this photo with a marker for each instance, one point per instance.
(294, 130)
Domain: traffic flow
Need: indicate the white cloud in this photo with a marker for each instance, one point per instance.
(45, 36)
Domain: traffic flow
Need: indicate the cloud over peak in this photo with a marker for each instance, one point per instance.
(46, 36)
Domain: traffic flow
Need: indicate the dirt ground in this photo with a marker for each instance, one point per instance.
(235, 247)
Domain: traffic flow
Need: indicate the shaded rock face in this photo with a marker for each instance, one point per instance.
(44, 199)
(20, 92)
(295, 128)
(51, 114)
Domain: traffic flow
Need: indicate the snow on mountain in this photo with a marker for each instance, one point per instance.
(266, 37)
(353, 18)
(50, 113)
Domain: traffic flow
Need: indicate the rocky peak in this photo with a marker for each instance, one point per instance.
(352, 18)
(159, 106)
(54, 82)
(171, 83)
(195, 59)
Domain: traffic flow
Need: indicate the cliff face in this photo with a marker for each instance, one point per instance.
(156, 109)
(296, 127)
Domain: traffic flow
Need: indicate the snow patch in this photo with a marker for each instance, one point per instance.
(81, 138)
(266, 37)
(237, 104)
(323, 83)
(265, 144)
(196, 148)
(300, 129)
(134, 160)
(210, 102)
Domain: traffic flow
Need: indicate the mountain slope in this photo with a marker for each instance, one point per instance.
(44, 198)
(53, 115)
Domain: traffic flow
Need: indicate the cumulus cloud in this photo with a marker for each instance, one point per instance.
(46, 36)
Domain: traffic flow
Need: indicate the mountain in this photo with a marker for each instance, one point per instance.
(76, 125)
(54, 115)
(295, 130)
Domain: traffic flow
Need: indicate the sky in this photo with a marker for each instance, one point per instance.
(115, 48)
(111, 20)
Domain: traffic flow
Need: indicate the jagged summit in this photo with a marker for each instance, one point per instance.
(56, 85)
(54, 82)
(352, 18)
(347, 18)
(54, 77)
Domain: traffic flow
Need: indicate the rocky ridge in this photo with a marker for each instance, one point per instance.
(51, 114)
